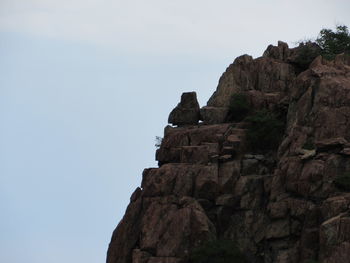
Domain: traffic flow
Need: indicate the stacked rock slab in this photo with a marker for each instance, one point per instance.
(278, 206)
(187, 111)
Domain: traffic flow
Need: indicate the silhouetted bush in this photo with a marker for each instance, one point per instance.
(218, 251)
(343, 182)
(158, 142)
(265, 130)
(334, 42)
(239, 107)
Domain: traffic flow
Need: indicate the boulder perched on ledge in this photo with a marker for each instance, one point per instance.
(186, 112)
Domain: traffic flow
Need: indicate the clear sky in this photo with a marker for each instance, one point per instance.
(86, 85)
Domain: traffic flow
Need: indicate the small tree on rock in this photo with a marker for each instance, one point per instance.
(334, 42)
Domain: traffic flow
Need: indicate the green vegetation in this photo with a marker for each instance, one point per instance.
(265, 127)
(265, 131)
(329, 43)
(343, 182)
(158, 141)
(334, 42)
(218, 251)
(239, 107)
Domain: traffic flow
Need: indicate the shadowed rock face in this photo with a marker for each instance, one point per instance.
(279, 206)
(187, 111)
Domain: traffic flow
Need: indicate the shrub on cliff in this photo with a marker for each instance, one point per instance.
(218, 251)
(334, 42)
(239, 107)
(265, 130)
(343, 182)
(158, 142)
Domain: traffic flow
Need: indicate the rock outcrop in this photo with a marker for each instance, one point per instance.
(278, 205)
(186, 112)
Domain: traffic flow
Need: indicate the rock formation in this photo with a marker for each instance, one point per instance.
(279, 206)
(187, 111)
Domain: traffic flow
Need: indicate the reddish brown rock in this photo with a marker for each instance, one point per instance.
(269, 74)
(279, 206)
(139, 256)
(334, 233)
(278, 229)
(126, 235)
(207, 183)
(330, 144)
(178, 179)
(280, 52)
(336, 205)
(227, 200)
(164, 260)
(278, 209)
(229, 173)
(340, 254)
(213, 115)
(187, 111)
(167, 227)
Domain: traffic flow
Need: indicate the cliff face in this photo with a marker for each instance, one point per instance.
(279, 206)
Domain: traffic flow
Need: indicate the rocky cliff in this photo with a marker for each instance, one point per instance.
(278, 205)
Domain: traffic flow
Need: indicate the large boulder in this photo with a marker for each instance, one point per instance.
(187, 111)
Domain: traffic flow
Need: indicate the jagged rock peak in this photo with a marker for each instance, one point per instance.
(281, 51)
(288, 204)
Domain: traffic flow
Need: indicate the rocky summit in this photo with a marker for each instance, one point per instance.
(281, 197)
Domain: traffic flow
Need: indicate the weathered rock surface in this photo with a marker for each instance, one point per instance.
(187, 111)
(279, 206)
(213, 115)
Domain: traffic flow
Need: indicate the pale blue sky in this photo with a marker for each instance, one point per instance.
(85, 86)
